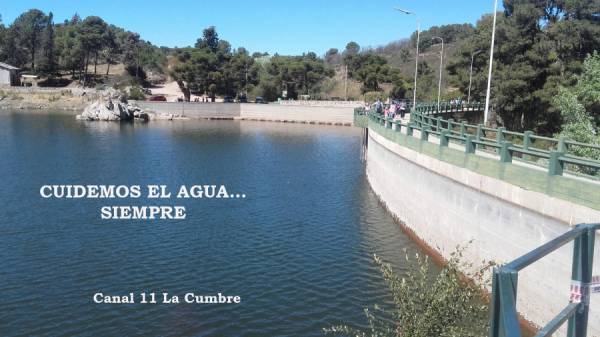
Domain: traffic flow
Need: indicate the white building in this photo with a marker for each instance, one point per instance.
(9, 75)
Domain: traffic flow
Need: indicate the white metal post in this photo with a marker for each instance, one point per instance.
(441, 69)
(416, 63)
(416, 55)
(489, 85)
(471, 74)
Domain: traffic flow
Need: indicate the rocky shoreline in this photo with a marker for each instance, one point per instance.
(106, 105)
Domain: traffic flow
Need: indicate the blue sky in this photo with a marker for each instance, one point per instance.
(287, 27)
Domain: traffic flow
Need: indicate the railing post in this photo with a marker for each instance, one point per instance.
(479, 134)
(450, 122)
(500, 138)
(562, 145)
(444, 138)
(409, 129)
(469, 145)
(555, 165)
(500, 134)
(438, 125)
(505, 154)
(425, 133)
(463, 129)
(504, 321)
(527, 139)
(583, 259)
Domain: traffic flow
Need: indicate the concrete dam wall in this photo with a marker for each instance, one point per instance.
(335, 115)
(447, 205)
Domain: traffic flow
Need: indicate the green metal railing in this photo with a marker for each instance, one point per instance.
(360, 118)
(555, 155)
(504, 320)
(449, 107)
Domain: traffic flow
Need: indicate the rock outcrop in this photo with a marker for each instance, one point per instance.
(113, 107)
(110, 107)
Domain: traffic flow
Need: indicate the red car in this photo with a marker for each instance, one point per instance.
(158, 98)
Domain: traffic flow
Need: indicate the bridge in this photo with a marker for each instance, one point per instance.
(518, 197)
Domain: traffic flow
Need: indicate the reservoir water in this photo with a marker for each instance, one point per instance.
(297, 250)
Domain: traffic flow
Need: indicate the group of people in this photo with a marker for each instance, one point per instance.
(391, 109)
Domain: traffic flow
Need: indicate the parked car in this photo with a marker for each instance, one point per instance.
(242, 99)
(227, 99)
(158, 98)
(260, 100)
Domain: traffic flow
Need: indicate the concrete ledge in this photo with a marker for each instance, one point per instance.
(327, 115)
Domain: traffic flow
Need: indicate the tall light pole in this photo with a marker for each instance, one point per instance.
(489, 85)
(471, 74)
(346, 82)
(416, 55)
(441, 68)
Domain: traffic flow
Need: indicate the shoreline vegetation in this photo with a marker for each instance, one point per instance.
(451, 302)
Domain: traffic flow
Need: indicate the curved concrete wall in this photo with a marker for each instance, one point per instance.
(446, 206)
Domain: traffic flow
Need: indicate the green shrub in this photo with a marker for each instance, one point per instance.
(136, 93)
(427, 304)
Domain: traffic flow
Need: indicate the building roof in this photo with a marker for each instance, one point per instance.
(8, 66)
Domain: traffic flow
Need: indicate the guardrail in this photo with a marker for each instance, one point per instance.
(555, 155)
(449, 107)
(504, 321)
(361, 118)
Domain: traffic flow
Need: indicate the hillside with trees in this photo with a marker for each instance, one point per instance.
(73, 49)
(540, 47)
(211, 67)
(540, 51)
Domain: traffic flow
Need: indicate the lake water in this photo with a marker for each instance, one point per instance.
(297, 250)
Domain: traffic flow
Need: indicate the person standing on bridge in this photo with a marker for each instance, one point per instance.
(393, 109)
(379, 106)
(402, 109)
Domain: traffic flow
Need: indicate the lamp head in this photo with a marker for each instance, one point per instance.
(403, 11)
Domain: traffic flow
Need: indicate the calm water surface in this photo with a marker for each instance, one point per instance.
(298, 249)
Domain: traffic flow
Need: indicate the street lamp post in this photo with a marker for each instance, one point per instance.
(441, 68)
(471, 74)
(416, 55)
(489, 85)
(345, 82)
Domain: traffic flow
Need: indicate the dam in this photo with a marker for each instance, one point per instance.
(454, 184)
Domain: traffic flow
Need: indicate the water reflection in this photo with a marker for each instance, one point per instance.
(298, 249)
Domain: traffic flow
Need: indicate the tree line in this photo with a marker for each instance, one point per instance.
(212, 68)
(75, 48)
(540, 48)
(35, 43)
